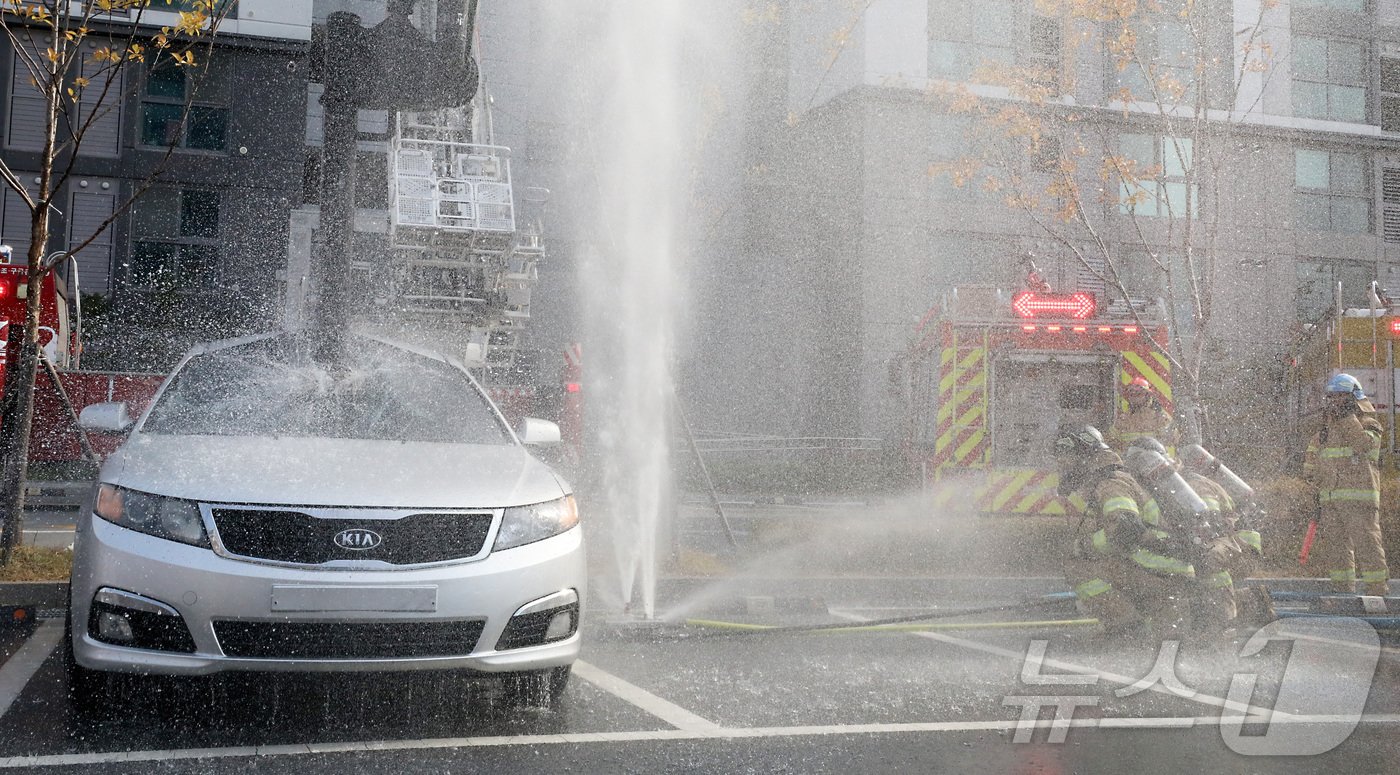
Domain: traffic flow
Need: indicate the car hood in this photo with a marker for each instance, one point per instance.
(331, 472)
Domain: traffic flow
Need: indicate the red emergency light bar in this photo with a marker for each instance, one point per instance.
(1054, 329)
(1029, 304)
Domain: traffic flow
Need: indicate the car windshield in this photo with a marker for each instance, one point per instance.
(274, 387)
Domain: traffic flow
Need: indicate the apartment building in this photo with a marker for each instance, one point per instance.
(852, 235)
(198, 254)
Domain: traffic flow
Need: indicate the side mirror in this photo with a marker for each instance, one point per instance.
(110, 417)
(537, 432)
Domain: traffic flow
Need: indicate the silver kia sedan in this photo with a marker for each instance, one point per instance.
(271, 512)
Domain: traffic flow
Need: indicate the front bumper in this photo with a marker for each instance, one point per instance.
(203, 588)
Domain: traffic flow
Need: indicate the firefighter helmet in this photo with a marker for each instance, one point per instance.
(1079, 441)
(1345, 383)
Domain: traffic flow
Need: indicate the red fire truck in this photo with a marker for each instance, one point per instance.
(990, 376)
(53, 436)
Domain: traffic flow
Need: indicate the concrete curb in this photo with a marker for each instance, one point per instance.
(34, 594)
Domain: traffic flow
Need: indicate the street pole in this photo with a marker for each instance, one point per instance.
(390, 67)
(345, 47)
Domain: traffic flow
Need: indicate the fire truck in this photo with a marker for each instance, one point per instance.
(991, 375)
(53, 436)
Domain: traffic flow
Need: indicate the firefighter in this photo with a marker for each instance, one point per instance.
(1342, 462)
(1144, 417)
(1119, 565)
(1197, 512)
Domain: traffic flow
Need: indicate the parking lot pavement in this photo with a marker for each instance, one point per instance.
(649, 700)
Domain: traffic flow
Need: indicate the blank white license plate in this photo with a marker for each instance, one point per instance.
(350, 599)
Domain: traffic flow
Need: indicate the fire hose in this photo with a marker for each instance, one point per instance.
(892, 624)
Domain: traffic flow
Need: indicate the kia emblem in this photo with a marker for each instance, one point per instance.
(358, 539)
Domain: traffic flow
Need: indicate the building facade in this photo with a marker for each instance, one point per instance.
(861, 233)
(199, 253)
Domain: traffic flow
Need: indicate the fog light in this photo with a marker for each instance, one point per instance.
(114, 627)
(560, 626)
(126, 619)
(546, 620)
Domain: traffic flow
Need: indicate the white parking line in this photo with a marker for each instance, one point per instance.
(1259, 714)
(21, 667)
(249, 751)
(667, 711)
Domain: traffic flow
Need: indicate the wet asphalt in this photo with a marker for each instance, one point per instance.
(707, 699)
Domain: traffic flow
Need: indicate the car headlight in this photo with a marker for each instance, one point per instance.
(173, 518)
(526, 524)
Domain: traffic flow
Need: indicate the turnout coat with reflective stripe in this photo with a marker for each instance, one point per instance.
(1112, 495)
(1342, 460)
(1152, 420)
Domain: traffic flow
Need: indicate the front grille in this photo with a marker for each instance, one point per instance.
(298, 537)
(347, 640)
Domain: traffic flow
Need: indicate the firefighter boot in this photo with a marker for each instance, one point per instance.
(1256, 607)
(1118, 616)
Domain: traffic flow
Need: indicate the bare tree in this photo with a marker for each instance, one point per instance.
(83, 59)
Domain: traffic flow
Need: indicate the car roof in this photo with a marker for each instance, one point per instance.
(224, 344)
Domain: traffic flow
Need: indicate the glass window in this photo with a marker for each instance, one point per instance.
(1176, 156)
(1347, 172)
(1351, 214)
(1309, 99)
(1331, 191)
(199, 266)
(1344, 60)
(1140, 199)
(1312, 212)
(1318, 279)
(1175, 195)
(1329, 78)
(966, 37)
(1309, 57)
(276, 387)
(1161, 66)
(1312, 169)
(1168, 195)
(165, 79)
(1348, 103)
(207, 128)
(168, 118)
(160, 124)
(152, 265)
(199, 213)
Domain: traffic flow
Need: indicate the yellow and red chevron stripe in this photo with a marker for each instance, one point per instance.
(1152, 366)
(962, 440)
(1002, 491)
